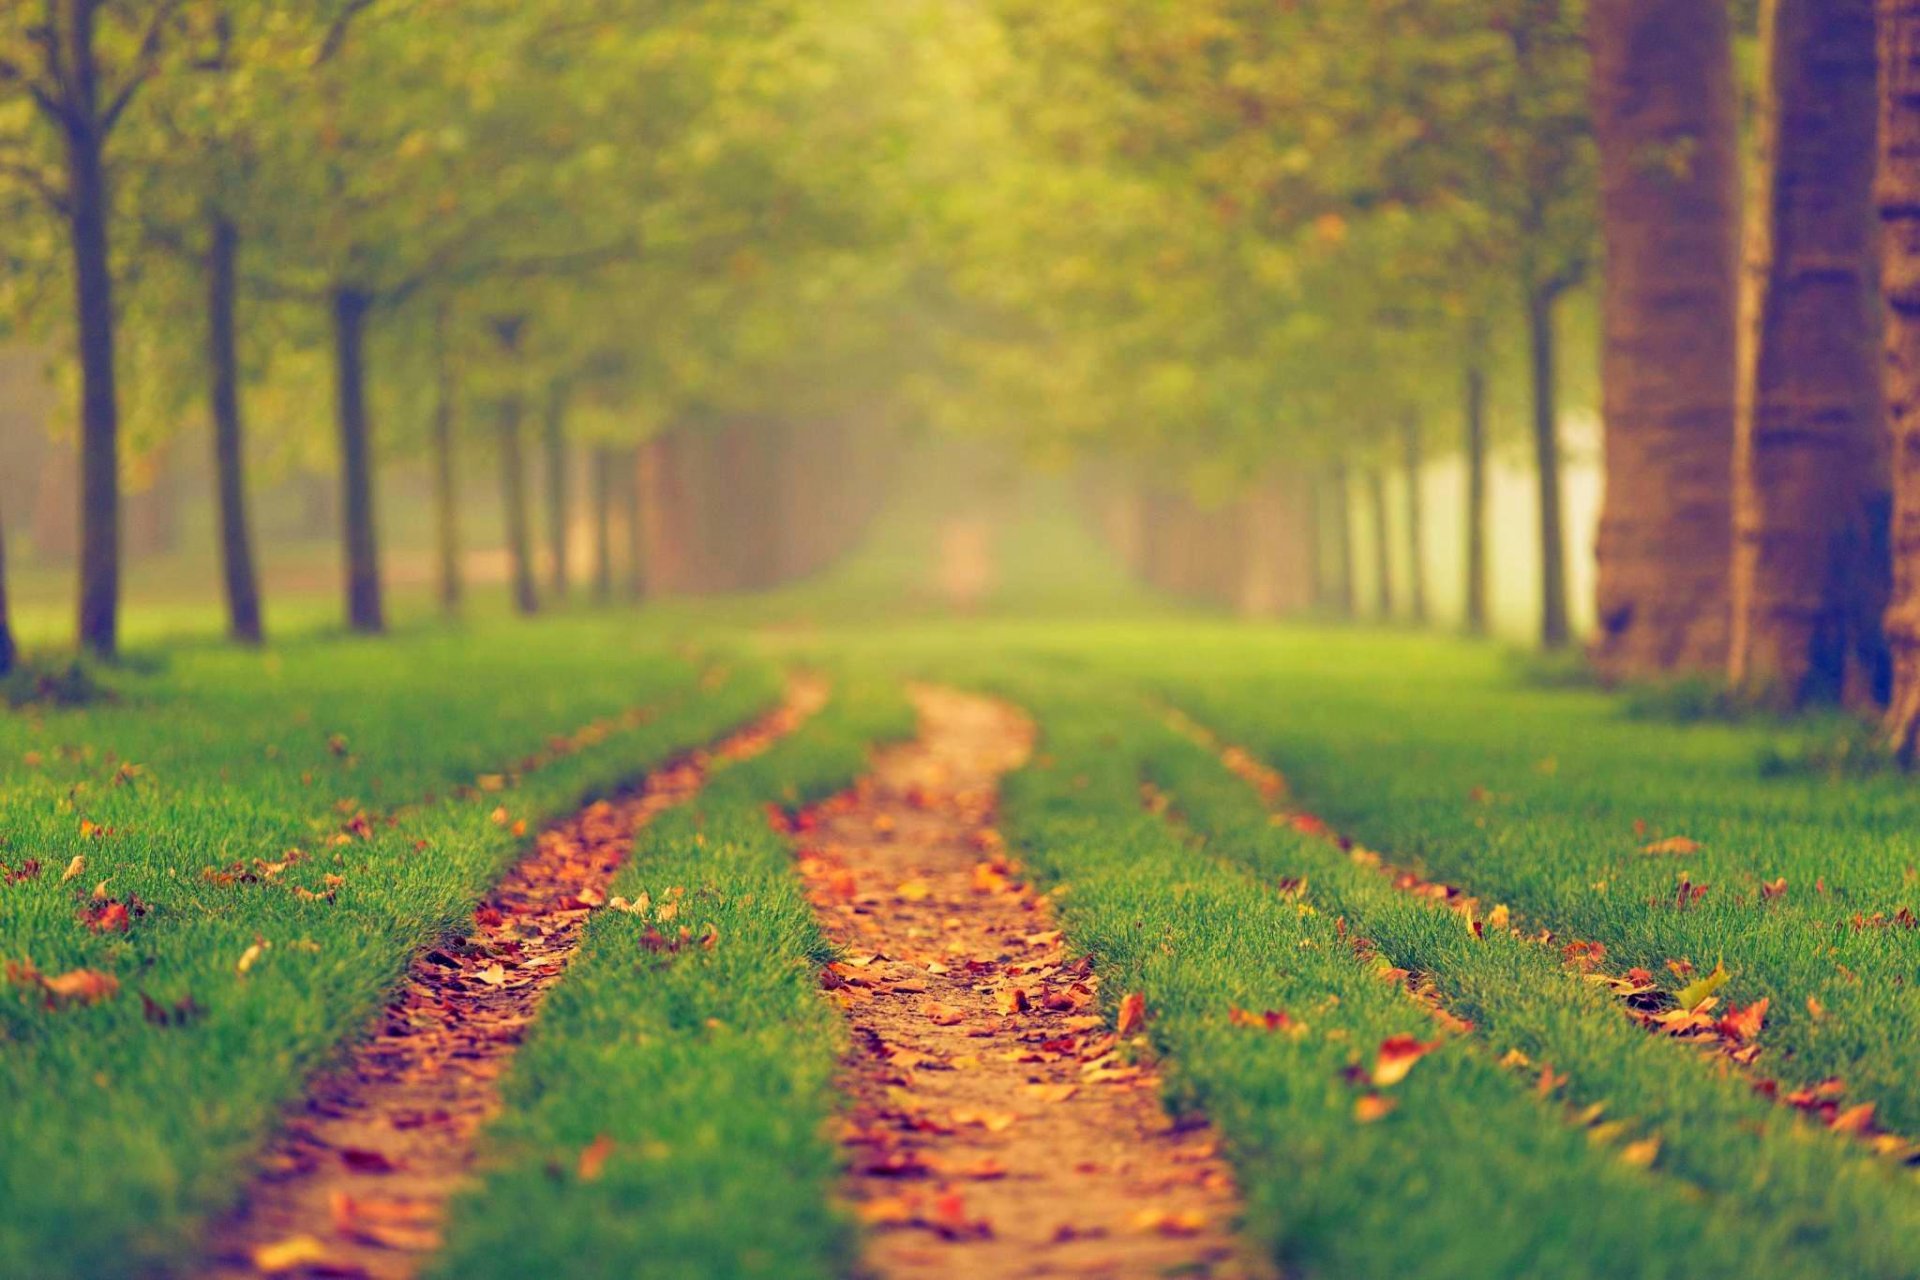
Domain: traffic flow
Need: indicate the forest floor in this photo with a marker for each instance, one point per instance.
(1069, 934)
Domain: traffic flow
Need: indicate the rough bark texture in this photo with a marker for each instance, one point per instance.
(513, 498)
(364, 612)
(88, 215)
(1416, 574)
(1542, 349)
(1476, 500)
(558, 497)
(240, 576)
(1382, 552)
(1898, 193)
(1665, 120)
(1809, 485)
(1340, 524)
(603, 466)
(446, 473)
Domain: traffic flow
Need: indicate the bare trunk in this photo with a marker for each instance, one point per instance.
(1315, 548)
(8, 653)
(633, 487)
(557, 488)
(364, 612)
(1543, 354)
(1416, 576)
(1898, 193)
(513, 496)
(88, 216)
(1808, 453)
(1665, 120)
(1476, 510)
(1382, 552)
(229, 457)
(446, 473)
(603, 464)
(1340, 520)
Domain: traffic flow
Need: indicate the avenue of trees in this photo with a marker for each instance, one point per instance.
(1252, 266)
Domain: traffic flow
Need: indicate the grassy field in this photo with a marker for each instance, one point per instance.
(1555, 1137)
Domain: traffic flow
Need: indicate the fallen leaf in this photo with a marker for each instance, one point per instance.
(493, 975)
(1169, 1222)
(1672, 844)
(1641, 1154)
(1397, 1056)
(86, 986)
(943, 1015)
(1369, 1107)
(287, 1255)
(1855, 1119)
(593, 1159)
(914, 891)
(1133, 1013)
(1697, 992)
(74, 868)
(1743, 1024)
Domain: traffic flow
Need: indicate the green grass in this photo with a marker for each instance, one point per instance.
(119, 1136)
(710, 1070)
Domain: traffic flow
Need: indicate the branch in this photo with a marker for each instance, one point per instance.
(337, 32)
(36, 178)
(144, 64)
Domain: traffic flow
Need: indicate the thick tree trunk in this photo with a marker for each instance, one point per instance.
(1476, 499)
(8, 653)
(557, 488)
(513, 496)
(1340, 521)
(89, 213)
(1665, 120)
(446, 473)
(1416, 574)
(1809, 471)
(229, 457)
(1382, 551)
(637, 550)
(1898, 193)
(603, 466)
(364, 612)
(1543, 353)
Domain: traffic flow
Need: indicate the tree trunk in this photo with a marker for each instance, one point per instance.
(1416, 575)
(557, 487)
(8, 653)
(364, 613)
(88, 216)
(1476, 511)
(1315, 548)
(1542, 347)
(636, 527)
(1809, 463)
(1665, 121)
(1340, 518)
(603, 464)
(513, 494)
(1382, 552)
(229, 457)
(446, 472)
(1898, 193)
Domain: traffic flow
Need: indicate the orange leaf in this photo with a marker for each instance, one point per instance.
(943, 1015)
(87, 986)
(1133, 1013)
(1673, 844)
(593, 1159)
(1397, 1056)
(1369, 1107)
(1743, 1024)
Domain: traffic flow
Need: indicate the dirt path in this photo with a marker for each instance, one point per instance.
(358, 1183)
(999, 1126)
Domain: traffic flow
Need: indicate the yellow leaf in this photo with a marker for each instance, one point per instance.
(1700, 990)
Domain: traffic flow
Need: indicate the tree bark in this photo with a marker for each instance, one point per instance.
(1340, 518)
(603, 465)
(1897, 190)
(557, 487)
(1416, 575)
(364, 611)
(1543, 353)
(446, 472)
(89, 213)
(8, 653)
(1665, 121)
(229, 457)
(513, 494)
(1809, 459)
(637, 577)
(1476, 509)
(1382, 552)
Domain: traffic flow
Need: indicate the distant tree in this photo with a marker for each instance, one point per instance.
(1898, 188)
